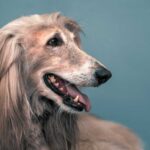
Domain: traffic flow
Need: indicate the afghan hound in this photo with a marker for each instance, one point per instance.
(42, 68)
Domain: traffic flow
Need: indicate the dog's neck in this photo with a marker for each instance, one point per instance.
(59, 128)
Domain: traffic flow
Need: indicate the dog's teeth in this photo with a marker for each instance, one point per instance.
(52, 78)
(76, 98)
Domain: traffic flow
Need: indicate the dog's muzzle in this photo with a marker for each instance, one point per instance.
(69, 92)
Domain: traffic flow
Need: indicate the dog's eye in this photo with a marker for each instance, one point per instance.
(54, 42)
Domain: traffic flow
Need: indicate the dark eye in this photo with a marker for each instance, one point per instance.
(55, 41)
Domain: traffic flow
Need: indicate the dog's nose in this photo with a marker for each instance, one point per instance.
(102, 75)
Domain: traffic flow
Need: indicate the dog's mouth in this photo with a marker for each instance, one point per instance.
(71, 95)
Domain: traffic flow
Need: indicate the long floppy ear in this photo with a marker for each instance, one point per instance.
(13, 99)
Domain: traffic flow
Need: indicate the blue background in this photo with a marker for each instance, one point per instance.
(117, 32)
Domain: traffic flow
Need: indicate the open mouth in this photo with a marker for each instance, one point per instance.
(71, 95)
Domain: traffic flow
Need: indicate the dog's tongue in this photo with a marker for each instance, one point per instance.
(73, 91)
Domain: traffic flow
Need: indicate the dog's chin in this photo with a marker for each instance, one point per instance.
(72, 99)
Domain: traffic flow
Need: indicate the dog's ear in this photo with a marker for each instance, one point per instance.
(73, 27)
(8, 52)
(13, 99)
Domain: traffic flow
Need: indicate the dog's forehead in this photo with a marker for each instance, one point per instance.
(42, 27)
(42, 34)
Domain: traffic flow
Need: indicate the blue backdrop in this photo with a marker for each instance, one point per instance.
(117, 32)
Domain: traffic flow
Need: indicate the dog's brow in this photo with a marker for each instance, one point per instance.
(56, 35)
(60, 35)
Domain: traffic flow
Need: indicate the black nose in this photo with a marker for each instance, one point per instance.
(102, 75)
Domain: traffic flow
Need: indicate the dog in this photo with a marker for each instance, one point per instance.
(42, 68)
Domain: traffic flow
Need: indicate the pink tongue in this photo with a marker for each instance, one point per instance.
(82, 97)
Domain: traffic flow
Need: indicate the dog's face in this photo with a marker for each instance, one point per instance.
(57, 65)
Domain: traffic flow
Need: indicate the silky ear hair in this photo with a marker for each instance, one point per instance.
(12, 94)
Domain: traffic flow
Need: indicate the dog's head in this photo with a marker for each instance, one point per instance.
(54, 64)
